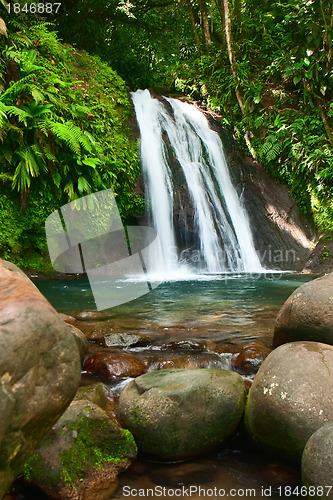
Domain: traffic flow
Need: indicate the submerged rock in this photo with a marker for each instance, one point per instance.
(39, 370)
(307, 314)
(190, 360)
(291, 397)
(121, 340)
(251, 356)
(82, 456)
(180, 414)
(114, 365)
(317, 462)
(70, 320)
(87, 315)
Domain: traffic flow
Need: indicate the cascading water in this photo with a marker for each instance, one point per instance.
(177, 130)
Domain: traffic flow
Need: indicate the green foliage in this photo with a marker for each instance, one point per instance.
(64, 114)
(63, 135)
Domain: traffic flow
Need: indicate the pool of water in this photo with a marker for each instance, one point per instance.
(235, 306)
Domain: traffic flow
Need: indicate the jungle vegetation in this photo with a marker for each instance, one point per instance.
(264, 67)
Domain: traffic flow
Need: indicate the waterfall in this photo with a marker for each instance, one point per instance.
(177, 133)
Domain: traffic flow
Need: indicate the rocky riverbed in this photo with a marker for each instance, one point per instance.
(171, 394)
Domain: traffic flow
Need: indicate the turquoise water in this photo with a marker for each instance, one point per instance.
(249, 292)
(232, 305)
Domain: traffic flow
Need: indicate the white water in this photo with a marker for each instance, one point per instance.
(226, 243)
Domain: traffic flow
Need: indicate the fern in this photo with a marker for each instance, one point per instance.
(14, 110)
(16, 88)
(70, 134)
(271, 149)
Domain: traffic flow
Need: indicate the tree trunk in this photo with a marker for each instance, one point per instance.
(327, 37)
(325, 122)
(220, 7)
(238, 13)
(204, 17)
(231, 54)
(194, 28)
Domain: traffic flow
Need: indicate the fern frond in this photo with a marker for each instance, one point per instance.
(274, 152)
(21, 114)
(16, 88)
(67, 133)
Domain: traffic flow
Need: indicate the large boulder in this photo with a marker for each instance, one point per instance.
(180, 414)
(317, 463)
(307, 314)
(39, 370)
(82, 456)
(291, 397)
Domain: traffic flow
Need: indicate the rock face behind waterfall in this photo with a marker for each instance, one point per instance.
(283, 236)
(39, 370)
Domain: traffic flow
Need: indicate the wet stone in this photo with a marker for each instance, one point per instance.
(99, 394)
(86, 315)
(186, 345)
(158, 409)
(70, 320)
(124, 340)
(162, 360)
(114, 365)
(250, 358)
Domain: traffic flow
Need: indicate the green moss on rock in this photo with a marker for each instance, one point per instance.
(85, 444)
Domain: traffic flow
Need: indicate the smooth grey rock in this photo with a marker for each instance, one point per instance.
(291, 397)
(317, 462)
(307, 314)
(179, 414)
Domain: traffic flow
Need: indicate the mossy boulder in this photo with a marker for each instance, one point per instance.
(180, 414)
(99, 394)
(82, 456)
(317, 463)
(291, 397)
(40, 370)
(307, 314)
